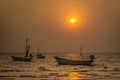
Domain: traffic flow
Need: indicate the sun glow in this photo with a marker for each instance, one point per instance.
(73, 20)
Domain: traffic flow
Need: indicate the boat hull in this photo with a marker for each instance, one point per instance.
(21, 59)
(41, 57)
(62, 61)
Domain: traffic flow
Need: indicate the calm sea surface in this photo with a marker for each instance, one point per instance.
(105, 67)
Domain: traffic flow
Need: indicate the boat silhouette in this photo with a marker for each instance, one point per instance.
(40, 56)
(62, 61)
(27, 57)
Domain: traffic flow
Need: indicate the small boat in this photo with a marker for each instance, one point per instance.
(40, 56)
(21, 59)
(27, 57)
(62, 61)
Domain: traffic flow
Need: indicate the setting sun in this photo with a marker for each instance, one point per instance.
(72, 20)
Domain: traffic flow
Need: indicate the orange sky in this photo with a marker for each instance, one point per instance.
(46, 23)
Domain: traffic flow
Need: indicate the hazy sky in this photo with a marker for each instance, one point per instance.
(46, 24)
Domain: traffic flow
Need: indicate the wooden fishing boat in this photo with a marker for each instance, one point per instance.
(40, 56)
(27, 57)
(63, 61)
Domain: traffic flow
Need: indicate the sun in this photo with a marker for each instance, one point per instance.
(72, 20)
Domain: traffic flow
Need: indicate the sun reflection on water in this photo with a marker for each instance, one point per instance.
(73, 76)
(72, 56)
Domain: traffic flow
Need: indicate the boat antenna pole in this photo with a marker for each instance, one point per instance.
(81, 51)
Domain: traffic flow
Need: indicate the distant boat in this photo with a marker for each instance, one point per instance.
(40, 56)
(63, 61)
(21, 59)
(27, 57)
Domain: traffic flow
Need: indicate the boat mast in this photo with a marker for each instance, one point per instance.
(27, 48)
(81, 53)
(26, 43)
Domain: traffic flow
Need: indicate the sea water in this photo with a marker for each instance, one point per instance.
(105, 67)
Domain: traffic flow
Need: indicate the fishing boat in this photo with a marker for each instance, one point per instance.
(40, 56)
(27, 57)
(63, 61)
(21, 59)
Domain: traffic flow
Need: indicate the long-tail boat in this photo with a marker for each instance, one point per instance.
(63, 61)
